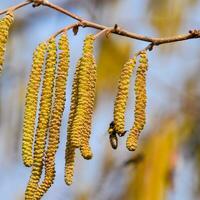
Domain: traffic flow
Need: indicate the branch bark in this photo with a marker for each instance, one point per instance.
(154, 41)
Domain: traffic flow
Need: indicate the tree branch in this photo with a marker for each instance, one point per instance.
(18, 6)
(119, 31)
(154, 41)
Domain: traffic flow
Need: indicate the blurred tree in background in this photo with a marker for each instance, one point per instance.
(166, 164)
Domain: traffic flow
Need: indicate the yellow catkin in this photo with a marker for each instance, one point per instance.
(31, 104)
(5, 25)
(83, 79)
(122, 96)
(43, 121)
(69, 166)
(70, 150)
(86, 132)
(56, 117)
(140, 103)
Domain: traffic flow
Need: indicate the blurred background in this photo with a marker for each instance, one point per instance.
(166, 164)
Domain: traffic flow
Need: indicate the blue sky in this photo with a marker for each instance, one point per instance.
(169, 69)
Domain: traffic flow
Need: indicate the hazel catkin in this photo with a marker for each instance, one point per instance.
(5, 25)
(82, 103)
(140, 103)
(43, 121)
(56, 117)
(31, 104)
(70, 150)
(122, 96)
(85, 148)
(86, 62)
(69, 165)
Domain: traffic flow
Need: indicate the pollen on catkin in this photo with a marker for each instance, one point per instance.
(5, 25)
(122, 96)
(140, 103)
(56, 117)
(69, 165)
(70, 150)
(85, 148)
(43, 121)
(86, 62)
(31, 104)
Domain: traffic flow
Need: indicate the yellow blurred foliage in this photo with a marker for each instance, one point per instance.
(112, 56)
(151, 177)
(166, 16)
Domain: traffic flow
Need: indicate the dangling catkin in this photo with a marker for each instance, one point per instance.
(5, 25)
(122, 96)
(56, 117)
(70, 150)
(43, 121)
(31, 104)
(86, 132)
(70, 161)
(140, 103)
(83, 79)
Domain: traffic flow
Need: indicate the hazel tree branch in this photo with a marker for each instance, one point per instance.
(13, 8)
(192, 34)
(154, 41)
(119, 31)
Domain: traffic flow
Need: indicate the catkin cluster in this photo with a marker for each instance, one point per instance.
(56, 117)
(45, 103)
(41, 136)
(43, 120)
(117, 126)
(82, 107)
(5, 25)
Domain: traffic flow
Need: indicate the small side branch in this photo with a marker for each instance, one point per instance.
(13, 8)
(65, 29)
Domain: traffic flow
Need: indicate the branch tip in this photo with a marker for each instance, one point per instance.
(194, 33)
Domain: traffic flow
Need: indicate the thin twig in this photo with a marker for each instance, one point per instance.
(13, 8)
(104, 31)
(147, 48)
(65, 29)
